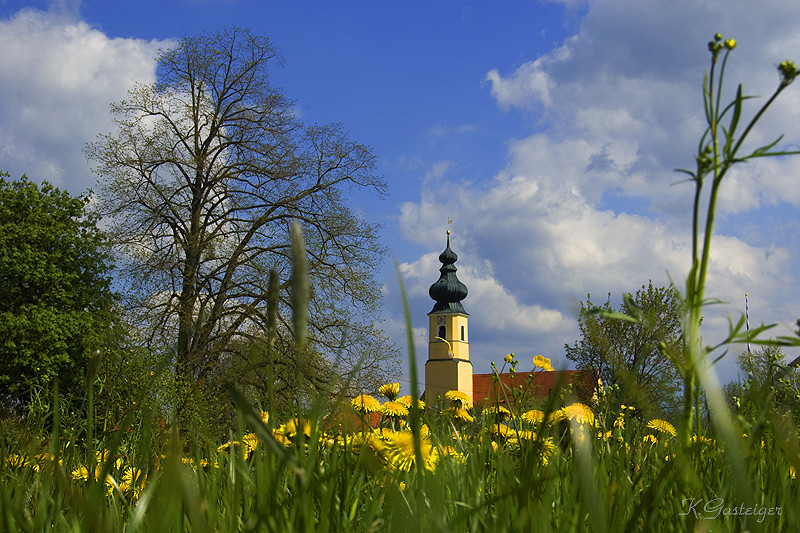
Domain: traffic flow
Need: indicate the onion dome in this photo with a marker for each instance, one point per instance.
(448, 291)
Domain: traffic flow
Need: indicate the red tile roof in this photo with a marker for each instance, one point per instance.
(534, 384)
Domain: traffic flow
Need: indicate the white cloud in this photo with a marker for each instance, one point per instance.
(59, 76)
(586, 203)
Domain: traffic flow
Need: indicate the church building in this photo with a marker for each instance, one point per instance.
(449, 366)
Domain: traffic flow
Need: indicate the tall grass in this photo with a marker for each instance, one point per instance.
(428, 468)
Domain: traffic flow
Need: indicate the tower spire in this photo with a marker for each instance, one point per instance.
(448, 291)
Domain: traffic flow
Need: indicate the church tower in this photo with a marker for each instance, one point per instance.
(448, 366)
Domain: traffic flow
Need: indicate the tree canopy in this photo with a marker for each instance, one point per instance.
(206, 171)
(629, 354)
(55, 285)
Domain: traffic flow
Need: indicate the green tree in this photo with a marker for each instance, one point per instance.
(629, 353)
(205, 173)
(56, 290)
(768, 383)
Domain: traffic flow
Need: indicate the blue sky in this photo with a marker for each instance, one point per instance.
(548, 132)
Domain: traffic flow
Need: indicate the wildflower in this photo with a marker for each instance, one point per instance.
(662, 426)
(400, 454)
(650, 438)
(406, 400)
(250, 442)
(281, 437)
(460, 398)
(449, 451)
(133, 481)
(227, 446)
(365, 403)
(459, 413)
(17, 460)
(389, 390)
(579, 412)
(730, 44)
(500, 430)
(533, 416)
(792, 472)
(394, 408)
(292, 427)
(81, 473)
(509, 358)
(788, 71)
(543, 363)
(500, 411)
(264, 416)
(556, 416)
(547, 447)
(702, 439)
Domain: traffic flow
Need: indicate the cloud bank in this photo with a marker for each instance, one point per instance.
(589, 201)
(58, 76)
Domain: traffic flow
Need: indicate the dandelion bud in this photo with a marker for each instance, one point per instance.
(788, 70)
(509, 358)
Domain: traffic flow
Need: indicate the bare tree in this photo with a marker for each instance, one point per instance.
(202, 178)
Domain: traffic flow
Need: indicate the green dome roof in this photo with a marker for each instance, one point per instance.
(448, 291)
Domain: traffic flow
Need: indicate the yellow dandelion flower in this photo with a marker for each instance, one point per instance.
(556, 416)
(792, 472)
(227, 446)
(17, 460)
(459, 397)
(650, 438)
(533, 416)
(500, 430)
(264, 416)
(133, 481)
(543, 363)
(452, 453)
(390, 390)
(82, 473)
(547, 448)
(250, 441)
(394, 408)
(365, 403)
(662, 426)
(400, 455)
(499, 410)
(296, 426)
(580, 413)
(407, 401)
(459, 413)
(508, 358)
(280, 437)
(525, 434)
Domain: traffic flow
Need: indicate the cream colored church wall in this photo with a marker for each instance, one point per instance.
(453, 324)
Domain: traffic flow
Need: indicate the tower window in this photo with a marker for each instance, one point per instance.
(442, 332)
(463, 333)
